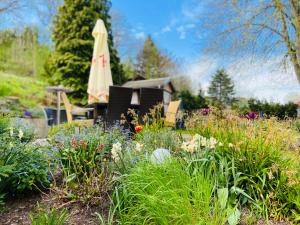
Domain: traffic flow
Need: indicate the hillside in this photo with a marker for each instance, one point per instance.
(20, 93)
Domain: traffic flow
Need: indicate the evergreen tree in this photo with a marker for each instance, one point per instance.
(221, 89)
(151, 63)
(70, 63)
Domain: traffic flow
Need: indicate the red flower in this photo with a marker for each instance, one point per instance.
(138, 128)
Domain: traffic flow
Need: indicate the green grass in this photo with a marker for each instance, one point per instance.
(29, 90)
(167, 194)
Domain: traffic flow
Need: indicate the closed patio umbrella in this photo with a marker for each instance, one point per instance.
(100, 75)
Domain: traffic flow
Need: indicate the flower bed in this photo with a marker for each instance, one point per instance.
(221, 167)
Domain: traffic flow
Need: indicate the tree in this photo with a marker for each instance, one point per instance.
(9, 5)
(70, 63)
(151, 63)
(190, 101)
(221, 89)
(265, 27)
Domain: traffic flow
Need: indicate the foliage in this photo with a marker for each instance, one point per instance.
(29, 91)
(221, 89)
(151, 62)
(21, 53)
(54, 217)
(167, 194)
(296, 125)
(23, 166)
(191, 102)
(265, 167)
(84, 159)
(163, 138)
(273, 109)
(72, 35)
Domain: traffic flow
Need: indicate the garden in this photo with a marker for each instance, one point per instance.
(221, 169)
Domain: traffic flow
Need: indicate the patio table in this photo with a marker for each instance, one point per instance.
(58, 90)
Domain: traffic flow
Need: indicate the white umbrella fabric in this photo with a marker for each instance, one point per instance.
(100, 75)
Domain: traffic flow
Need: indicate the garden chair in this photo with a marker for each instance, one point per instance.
(171, 114)
(150, 97)
(118, 104)
(72, 111)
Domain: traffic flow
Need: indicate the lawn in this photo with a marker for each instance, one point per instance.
(30, 92)
(221, 170)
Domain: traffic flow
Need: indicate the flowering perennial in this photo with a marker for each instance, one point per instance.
(198, 142)
(115, 151)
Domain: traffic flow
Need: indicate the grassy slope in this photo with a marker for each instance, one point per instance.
(29, 90)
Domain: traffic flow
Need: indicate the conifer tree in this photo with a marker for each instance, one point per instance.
(151, 62)
(221, 89)
(70, 62)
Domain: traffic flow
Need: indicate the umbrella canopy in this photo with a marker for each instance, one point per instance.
(100, 75)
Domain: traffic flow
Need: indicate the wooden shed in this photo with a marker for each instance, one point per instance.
(164, 83)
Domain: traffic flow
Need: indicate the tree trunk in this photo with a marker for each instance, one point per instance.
(295, 6)
(293, 47)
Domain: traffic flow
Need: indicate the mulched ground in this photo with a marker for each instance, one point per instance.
(17, 210)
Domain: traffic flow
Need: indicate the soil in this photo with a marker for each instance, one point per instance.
(17, 210)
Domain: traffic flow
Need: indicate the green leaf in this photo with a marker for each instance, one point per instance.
(70, 178)
(234, 217)
(223, 197)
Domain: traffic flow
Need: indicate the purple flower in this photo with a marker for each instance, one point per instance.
(251, 115)
(205, 111)
(27, 114)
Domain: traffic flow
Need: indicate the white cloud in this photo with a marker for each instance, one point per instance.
(166, 29)
(259, 78)
(181, 31)
(192, 9)
(140, 35)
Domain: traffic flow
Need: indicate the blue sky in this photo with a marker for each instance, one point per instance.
(175, 27)
(169, 22)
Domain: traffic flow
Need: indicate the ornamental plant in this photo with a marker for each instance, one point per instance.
(23, 166)
(85, 159)
(265, 160)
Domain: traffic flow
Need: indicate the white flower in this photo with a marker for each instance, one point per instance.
(11, 131)
(221, 144)
(212, 143)
(115, 151)
(191, 147)
(138, 147)
(203, 142)
(230, 145)
(21, 134)
(184, 145)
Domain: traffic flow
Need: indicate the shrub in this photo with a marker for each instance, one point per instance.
(274, 109)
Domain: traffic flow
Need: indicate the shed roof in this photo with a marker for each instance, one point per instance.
(157, 82)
